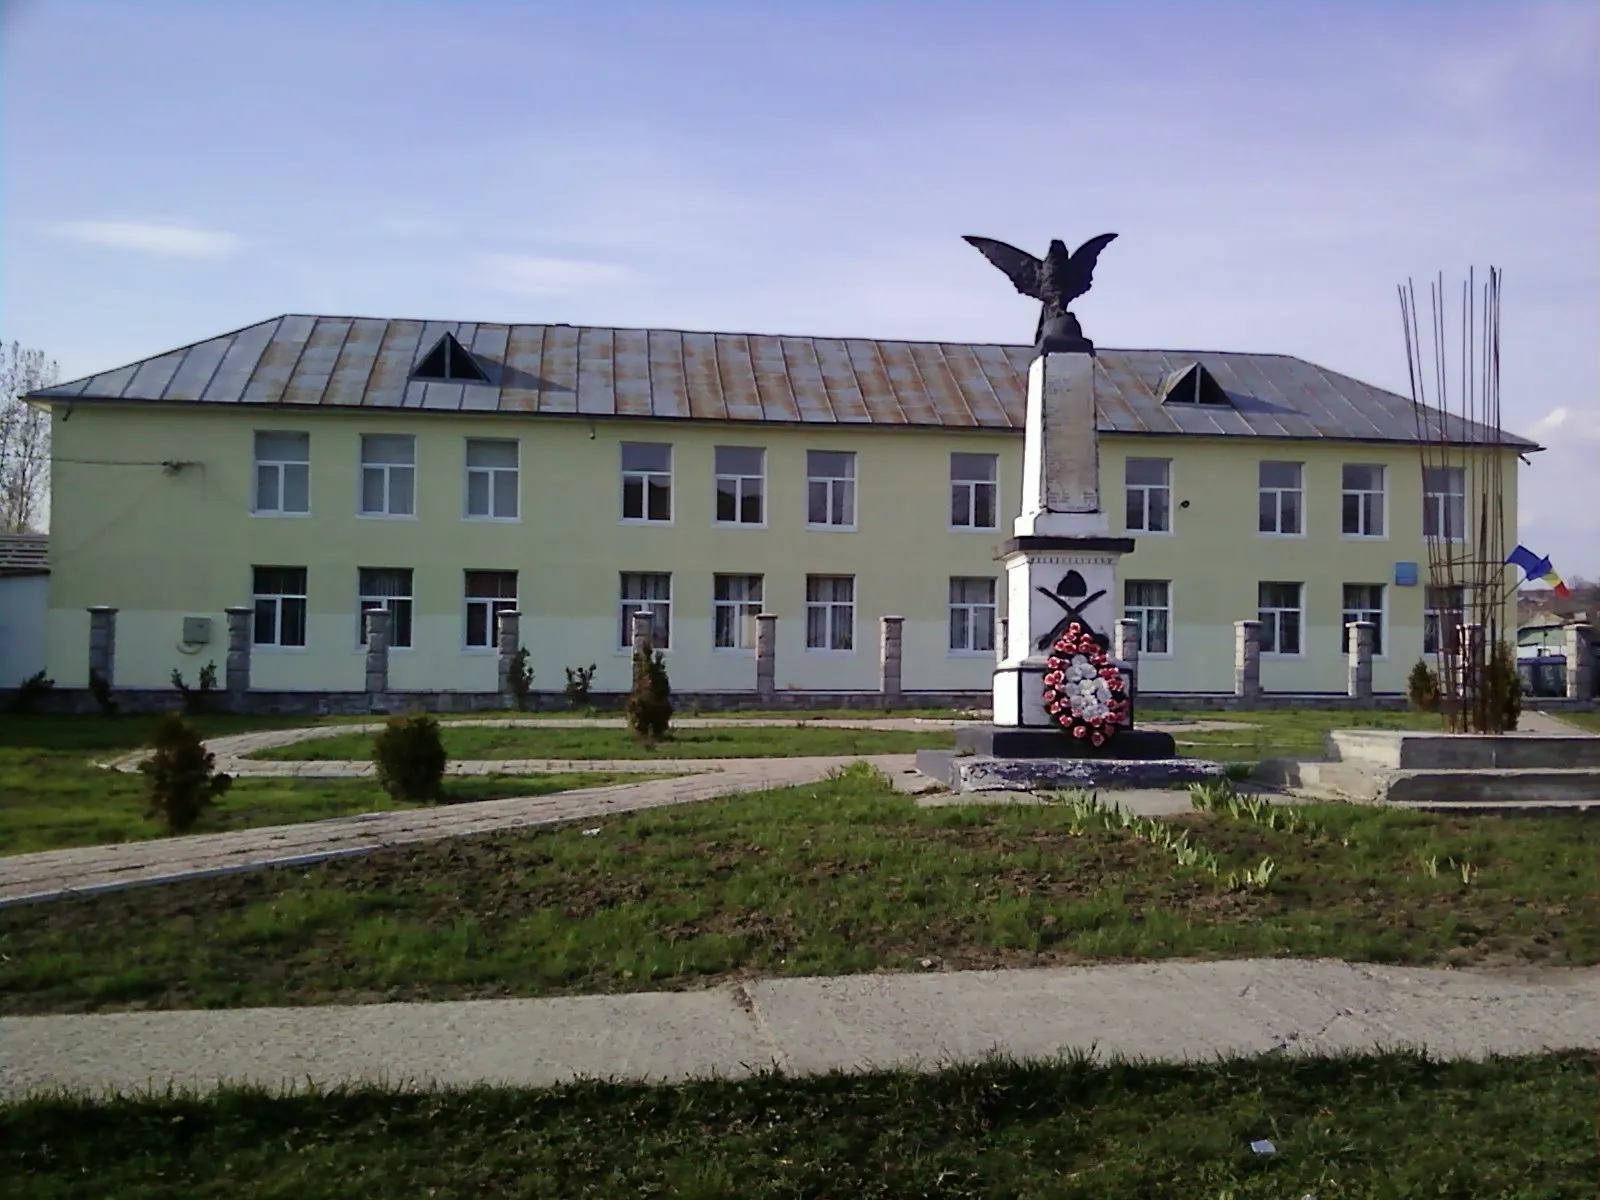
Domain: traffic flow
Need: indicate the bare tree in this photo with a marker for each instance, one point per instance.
(24, 438)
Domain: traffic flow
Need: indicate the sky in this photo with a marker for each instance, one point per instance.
(1275, 170)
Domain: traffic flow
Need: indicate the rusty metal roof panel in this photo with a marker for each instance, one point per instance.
(1010, 389)
(922, 374)
(277, 361)
(669, 387)
(386, 386)
(1117, 391)
(488, 346)
(884, 404)
(314, 371)
(239, 362)
(522, 369)
(772, 378)
(738, 377)
(559, 394)
(597, 396)
(839, 378)
(630, 370)
(154, 374)
(805, 377)
(358, 359)
(702, 378)
(967, 376)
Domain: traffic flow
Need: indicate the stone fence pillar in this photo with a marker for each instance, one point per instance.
(507, 640)
(767, 655)
(1580, 661)
(889, 658)
(1247, 660)
(1125, 649)
(377, 622)
(237, 670)
(639, 631)
(1358, 659)
(103, 643)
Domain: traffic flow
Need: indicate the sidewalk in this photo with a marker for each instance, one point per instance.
(1172, 1011)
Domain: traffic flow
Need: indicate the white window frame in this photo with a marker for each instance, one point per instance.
(1144, 492)
(744, 484)
(388, 472)
(968, 617)
(741, 611)
(490, 605)
(631, 587)
(1382, 506)
(1378, 616)
(1432, 616)
(966, 491)
(276, 601)
(834, 488)
(1276, 612)
(829, 606)
(1441, 509)
(491, 478)
(280, 468)
(1140, 614)
(645, 477)
(1278, 493)
(367, 601)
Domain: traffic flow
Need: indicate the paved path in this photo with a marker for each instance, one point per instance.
(1173, 1011)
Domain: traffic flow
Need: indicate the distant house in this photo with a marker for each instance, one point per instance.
(24, 605)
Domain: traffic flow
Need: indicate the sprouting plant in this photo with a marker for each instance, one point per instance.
(1430, 865)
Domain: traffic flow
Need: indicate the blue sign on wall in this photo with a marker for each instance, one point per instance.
(1405, 574)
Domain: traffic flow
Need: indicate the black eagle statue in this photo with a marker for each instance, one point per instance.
(1055, 281)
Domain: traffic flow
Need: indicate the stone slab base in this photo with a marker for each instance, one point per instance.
(986, 773)
(1421, 788)
(1405, 750)
(1000, 742)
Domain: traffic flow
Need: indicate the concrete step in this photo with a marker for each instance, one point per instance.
(1405, 750)
(1366, 783)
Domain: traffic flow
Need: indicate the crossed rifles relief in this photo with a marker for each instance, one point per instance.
(1068, 590)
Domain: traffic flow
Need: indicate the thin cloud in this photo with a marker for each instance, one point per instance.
(174, 241)
(414, 227)
(536, 276)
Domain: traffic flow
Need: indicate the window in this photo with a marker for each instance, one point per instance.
(488, 593)
(1444, 503)
(1362, 602)
(831, 488)
(1442, 614)
(283, 473)
(642, 591)
(280, 601)
(741, 483)
(1281, 498)
(972, 614)
(387, 588)
(1363, 500)
(830, 612)
(1149, 485)
(388, 474)
(1281, 618)
(492, 479)
(646, 481)
(736, 599)
(1149, 603)
(973, 488)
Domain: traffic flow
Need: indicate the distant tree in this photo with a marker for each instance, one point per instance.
(24, 438)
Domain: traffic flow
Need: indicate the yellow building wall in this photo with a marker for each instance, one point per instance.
(161, 544)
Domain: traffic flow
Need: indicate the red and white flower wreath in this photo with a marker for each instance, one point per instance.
(1083, 692)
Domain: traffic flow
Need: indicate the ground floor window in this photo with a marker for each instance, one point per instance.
(1281, 617)
(387, 589)
(1148, 603)
(736, 599)
(1362, 602)
(1442, 614)
(641, 591)
(488, 593)
(972, 614)
(830, 612)
(280, 604)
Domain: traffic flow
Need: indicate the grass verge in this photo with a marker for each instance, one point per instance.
(1343, 1127)
(1583, 720)
(1293, 733)
(838, 877)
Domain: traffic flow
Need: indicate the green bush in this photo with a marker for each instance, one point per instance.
(179, 773)
(196, 700)
(1502, 688)
(410, 758)
(579, 680)
(520, 677)
(32, 690)
(1422, 687)
(649, 704)
(100, 689)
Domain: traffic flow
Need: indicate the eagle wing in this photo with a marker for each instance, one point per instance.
(1022, 268)
(1081, 269)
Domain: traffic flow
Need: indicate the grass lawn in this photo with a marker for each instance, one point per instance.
(1292, 733)
(773, 741)
(1583, 720)
(837, 877)
(1371, 1126)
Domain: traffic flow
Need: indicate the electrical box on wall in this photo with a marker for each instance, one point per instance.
(197, 629)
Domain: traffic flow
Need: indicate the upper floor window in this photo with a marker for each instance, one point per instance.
(972, 614)
(1363, 500)
(283, 473)
(1149, 487)
(1444, 503)
(736, 600)
(1282, 617)
(974, 503)
(1363, 602)
(1281, 498)
(387, 589)
(388, 475)
(831, 488)
(646, 481)
(280, 606)
(492, 479)
(652, 592)
(741, 485)
(488, 593)
(1148, 603)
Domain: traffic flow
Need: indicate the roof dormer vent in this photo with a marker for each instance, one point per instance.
(449, 362)
(1192, 385)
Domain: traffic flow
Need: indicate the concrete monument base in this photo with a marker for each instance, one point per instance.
(986, 773)
(1052, 743)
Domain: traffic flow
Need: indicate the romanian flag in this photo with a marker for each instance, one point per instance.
(1538, 568)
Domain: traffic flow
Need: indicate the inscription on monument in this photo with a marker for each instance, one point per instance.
(1071, 445)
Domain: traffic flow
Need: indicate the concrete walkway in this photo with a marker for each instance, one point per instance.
(1173, 1011)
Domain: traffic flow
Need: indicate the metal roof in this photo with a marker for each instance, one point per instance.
(24, 554)
(366, 362)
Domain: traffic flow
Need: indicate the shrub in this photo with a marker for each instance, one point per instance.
(1422, 687)
(179, 771)
(579, 680)
(410, 758)
(1502, 688)
(649, 704)
(32, 690)
(520, 677)
(100, 689)
(196, 699)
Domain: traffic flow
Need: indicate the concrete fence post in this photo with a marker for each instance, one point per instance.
(767, 655)
(639, 630)
(1358, 659)
(1125, 649)
(508, 640)
(1247, 660)
(237, 671)
(890, 629)
(377, 624)
(1580, 661)
(103, 643)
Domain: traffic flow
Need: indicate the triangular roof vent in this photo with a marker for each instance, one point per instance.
(450, 362)
(1192, 385)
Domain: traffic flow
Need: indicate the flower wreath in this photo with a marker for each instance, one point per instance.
(1083, 692)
